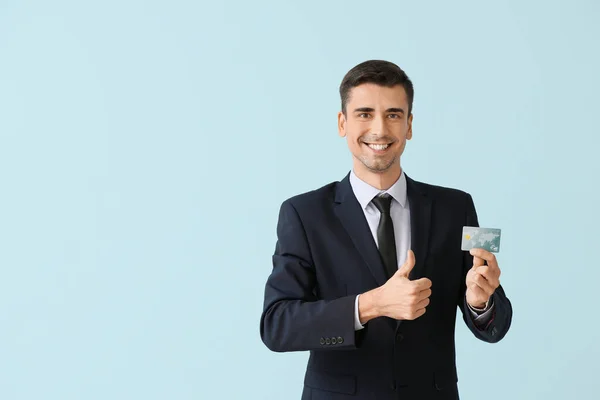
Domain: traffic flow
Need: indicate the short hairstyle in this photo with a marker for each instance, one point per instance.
(379, 72)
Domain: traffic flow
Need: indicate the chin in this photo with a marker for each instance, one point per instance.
(380, 167)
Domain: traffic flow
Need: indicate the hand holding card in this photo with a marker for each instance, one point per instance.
(482, 280)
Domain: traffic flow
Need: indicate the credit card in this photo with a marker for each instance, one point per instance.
(480, 238)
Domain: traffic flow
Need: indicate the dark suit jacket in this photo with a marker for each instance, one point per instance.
(325, 255)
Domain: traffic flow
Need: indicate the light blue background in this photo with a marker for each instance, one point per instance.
(145, 148)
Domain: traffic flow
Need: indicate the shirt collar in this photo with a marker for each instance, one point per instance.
(365, 193)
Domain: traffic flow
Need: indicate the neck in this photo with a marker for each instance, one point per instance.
(380, 180)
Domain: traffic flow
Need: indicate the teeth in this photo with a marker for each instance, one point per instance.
(378, 146)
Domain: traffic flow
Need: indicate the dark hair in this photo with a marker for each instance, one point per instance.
(380, 72)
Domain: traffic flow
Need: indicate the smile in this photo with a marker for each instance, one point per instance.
(378, 147)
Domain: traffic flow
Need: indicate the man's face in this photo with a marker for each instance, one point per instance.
(376, 126)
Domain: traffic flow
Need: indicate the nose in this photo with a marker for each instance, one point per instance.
(378, 126)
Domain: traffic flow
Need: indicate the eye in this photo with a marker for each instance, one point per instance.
(363, 115)
(394, 116)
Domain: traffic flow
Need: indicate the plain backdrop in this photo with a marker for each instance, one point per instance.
(146, 146)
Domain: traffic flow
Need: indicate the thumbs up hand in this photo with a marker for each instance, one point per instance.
(401, 298)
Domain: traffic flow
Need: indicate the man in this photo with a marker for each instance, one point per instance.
(368, 272)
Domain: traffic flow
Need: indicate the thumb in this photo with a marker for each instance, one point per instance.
(408, 264)
(478, 262)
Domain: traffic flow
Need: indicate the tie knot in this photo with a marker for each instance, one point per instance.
(383, 203)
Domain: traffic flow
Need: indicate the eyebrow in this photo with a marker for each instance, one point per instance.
(369, 109)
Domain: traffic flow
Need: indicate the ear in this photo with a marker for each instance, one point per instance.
(341, 124)
(409, 133)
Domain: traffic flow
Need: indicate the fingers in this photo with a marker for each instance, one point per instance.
(484, 284)
(416, 314)
(485, 255)
(478, 262)
(419, 300)
(490, 274)
(424, 294)
(421, 284)
(421, 307)
(423, 304)
(479, 292)
(408, 264)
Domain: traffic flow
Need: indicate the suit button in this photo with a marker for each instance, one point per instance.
(340, 340)
(322, 341)
(333, 340)
(328, 341)
(399, 337)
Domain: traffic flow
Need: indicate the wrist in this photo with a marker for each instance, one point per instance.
(480, 306)
(368, 307)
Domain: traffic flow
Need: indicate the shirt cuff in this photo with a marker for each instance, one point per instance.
(357, 325)
(483, 314)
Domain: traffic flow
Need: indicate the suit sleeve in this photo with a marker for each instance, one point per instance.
(293, 317)
(499, 323)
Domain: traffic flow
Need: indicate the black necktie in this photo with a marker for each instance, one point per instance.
(385, 234)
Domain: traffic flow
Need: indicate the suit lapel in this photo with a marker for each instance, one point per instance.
(350, 213)
(420, 220)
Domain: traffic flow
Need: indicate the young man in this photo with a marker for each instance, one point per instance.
(368, 272)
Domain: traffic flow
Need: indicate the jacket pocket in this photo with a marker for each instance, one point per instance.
(345, 384)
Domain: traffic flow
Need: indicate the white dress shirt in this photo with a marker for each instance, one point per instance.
(400, 213)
